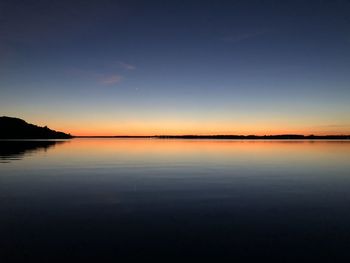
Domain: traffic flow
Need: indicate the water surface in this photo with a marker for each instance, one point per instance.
(172, 199)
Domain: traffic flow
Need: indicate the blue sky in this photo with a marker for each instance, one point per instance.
(137, 67)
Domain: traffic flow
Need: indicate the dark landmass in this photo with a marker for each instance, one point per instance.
(16, 150)
(255, 137)
(14, 128)
(234, 137)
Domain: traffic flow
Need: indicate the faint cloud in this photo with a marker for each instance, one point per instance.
(111, 79)
(244, 36)
(106, 73)
(126, 65)
(101, 78)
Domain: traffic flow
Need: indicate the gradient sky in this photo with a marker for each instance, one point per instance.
(177, 67)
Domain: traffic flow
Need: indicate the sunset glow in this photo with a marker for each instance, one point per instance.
(242, 68)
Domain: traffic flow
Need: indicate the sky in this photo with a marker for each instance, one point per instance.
(177, 67)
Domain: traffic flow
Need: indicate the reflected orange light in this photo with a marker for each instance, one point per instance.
(175, 146)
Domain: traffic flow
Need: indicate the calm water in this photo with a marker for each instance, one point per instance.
(170, 199)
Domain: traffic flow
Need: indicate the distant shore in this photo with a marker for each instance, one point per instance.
(232, 137)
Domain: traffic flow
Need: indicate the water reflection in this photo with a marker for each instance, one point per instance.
(16, 150)
(177, 199)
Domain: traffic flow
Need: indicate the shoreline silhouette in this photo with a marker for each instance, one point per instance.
(15, 128)
(230, 137)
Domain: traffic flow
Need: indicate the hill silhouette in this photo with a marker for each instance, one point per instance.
(15, 128)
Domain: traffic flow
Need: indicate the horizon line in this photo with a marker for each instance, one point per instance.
(238, 136)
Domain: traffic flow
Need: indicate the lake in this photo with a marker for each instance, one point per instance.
(174, 199)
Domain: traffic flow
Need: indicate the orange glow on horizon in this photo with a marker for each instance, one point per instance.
(150, 132)
(104, 127)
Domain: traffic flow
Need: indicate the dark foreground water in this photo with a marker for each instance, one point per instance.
(174, 200)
